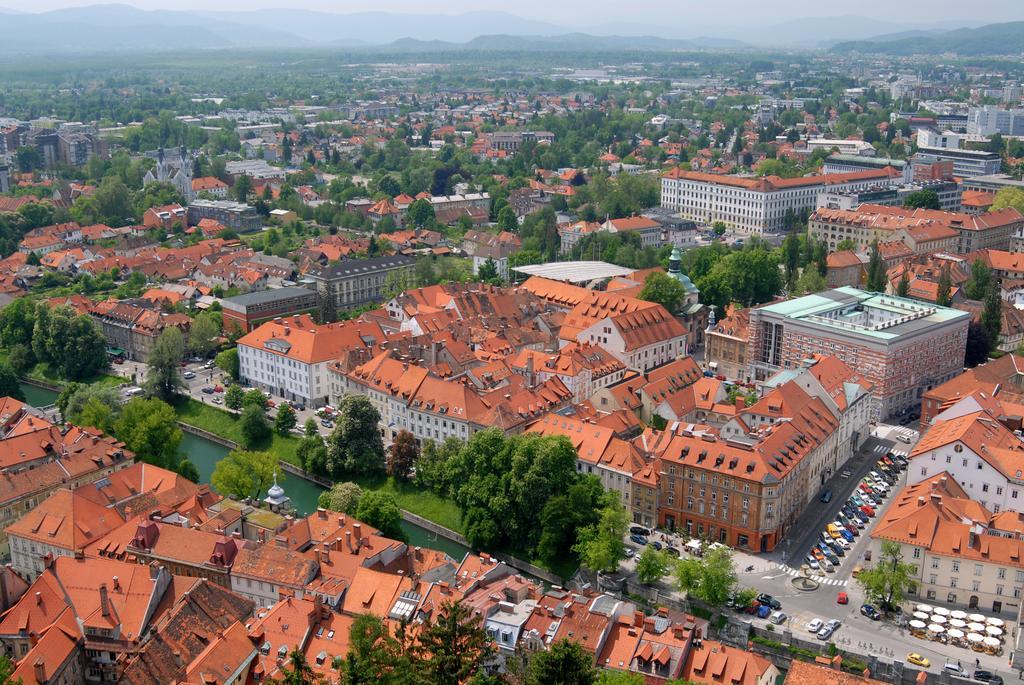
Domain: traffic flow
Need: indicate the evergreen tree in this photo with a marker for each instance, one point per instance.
(992, 314)
(565, 663)
(942, 295)
(903, 287)
(452, 647)
(876, 270)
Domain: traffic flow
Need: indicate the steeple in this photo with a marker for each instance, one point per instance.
(675, 261)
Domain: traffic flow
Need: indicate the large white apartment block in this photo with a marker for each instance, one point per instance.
(758, 205)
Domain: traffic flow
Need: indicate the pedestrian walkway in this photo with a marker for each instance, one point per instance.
(824, 580)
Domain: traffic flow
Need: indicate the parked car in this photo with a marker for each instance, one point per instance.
(326, 424)
(842, 598)
(826, 497)
(984, 676)
(672, 551)
(656, 545)
(828, 629)
(208, 390)
(778, 618)
(217, 400)
(188, 375)
(769, 600)
(918, 660)
(639, 530)
(871, 612)
(763, 611)
(815, 625)
(638, 539)
(955, 669)
(812, 562)
(628, 551)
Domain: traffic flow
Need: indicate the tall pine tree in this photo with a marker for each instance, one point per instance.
(876, 270)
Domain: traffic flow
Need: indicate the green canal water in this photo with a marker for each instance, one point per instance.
(303, 493)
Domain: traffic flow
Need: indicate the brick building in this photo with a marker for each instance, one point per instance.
(903, 347)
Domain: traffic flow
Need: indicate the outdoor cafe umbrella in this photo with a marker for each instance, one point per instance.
(974, 637)
(917, 625)
(956, 613)
(941, 611)
(994, 631)
(993, 621)
(976, 618)
(976, 627)
(926, 608)
(954, 633)
(920, 616)
(939, 618)
(957, 623)
(935, 628)
(991, 642)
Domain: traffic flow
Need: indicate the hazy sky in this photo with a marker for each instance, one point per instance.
(730, 12)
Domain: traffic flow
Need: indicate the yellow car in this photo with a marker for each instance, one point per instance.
(918, 660)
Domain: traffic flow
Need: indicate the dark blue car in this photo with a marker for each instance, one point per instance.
(638, 539)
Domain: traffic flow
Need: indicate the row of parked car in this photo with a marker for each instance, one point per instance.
(853, 516)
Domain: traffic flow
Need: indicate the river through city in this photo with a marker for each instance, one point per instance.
(303, 493)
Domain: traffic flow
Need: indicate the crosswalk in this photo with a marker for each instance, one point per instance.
(823, 579)
(881, 449)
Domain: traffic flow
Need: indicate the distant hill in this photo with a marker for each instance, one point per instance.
(992, 39)
(567, 42)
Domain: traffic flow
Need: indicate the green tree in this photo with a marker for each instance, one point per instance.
(205, 328)
(149, 428)
(978, 345)
(243, 186)
(20, 358)
(375, 656)
(452, 647)
(343, 497)
(227, 361)
(10, 386)
(600, 545)
(162, 378)
(234, 397)
(889, 578)
(903, 286)
(298, 671)
(16, 322)
(977, 286)
(652, 565)
(846, 244)
(876, 281)
(188, 470)
(355, 445)
(663, 289)
(563, 663)
(943, 296)
(606, 677)
(1009, 197)
(285, 419)
(923, 199)
(402, 455)
(420, 213)
(96, 414)
(507, 220)
(810, 281)
(992, 314)
(719, 228)
(244, 474)
(255, 398)
(488, 272)
(380, 510)
(253, 425)
(710, 578)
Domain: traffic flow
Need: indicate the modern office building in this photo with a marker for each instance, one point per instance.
(965, 162)
(234, 215)
(844, 164)
(902, 347)
(991, 119)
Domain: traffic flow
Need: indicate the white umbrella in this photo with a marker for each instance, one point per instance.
(920, 616)
(917, 625)
(993, 621)
(954, 633)
(976, 627)
(977, 618)
(939, 618)
(974, 637)
(941, 611)
(934, 628)
(991, 642)
(957, 623)
(956, 613)
(926, 608)
(994, 631)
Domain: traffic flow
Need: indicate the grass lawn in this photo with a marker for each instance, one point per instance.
(225, 424)
(417, 500)
(45, 373)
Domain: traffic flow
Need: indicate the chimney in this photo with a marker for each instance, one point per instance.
(740, 402)
(39, 670)
(348, 540)
(341, 522)
(357, 531)
(39, 598)
(321, 514)
(117, 584)
(237, 535)
(104, 601)
(154, 570)
(177, 657)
